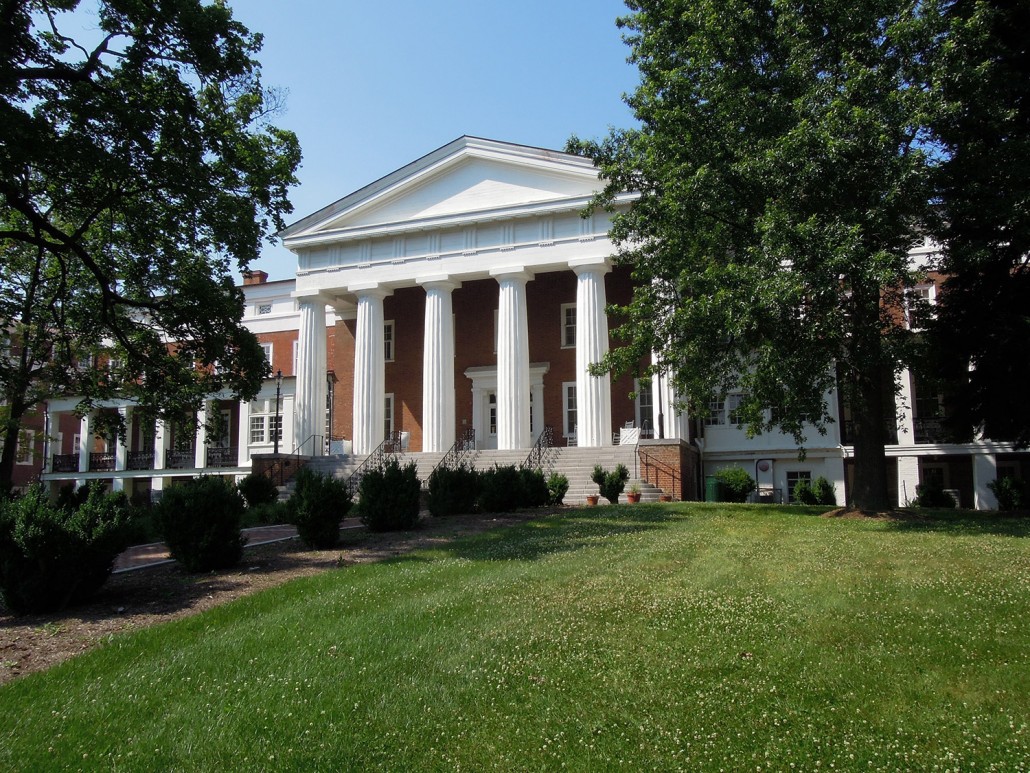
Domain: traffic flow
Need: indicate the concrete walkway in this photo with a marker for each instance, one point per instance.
(156, 553)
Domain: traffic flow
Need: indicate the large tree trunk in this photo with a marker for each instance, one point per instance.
(10, 429)
(869, 422)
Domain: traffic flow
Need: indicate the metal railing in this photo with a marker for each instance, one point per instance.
(65, 463)
(929, 430)
(101, 461)
(218, 456)
(139, 460)
(542, 450)
(650, 464)
(316, 442)
(376, 460)
(180, 459)
(464, 448)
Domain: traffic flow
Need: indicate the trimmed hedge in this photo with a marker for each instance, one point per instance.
(735, 483)
(390, 497)
(200, 521)
(500, 490)
(610, 484)
(317, 506)
(453, 490)
(557, 488)
(258, 489)
(51, 555)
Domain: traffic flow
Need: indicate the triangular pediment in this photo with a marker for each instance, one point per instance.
(460, 180)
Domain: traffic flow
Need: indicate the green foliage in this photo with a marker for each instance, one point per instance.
(557, 488)
(258, 489)
(453, 490)
(932, 494)
(533, 489)
(803, 493)
(825, 492)
(1011, 493)
(53, 555)
(200, 521)
(390, 497)
(500, 490)
(139, 171)
(612, 483)
(736, 484)
(318, 504)
(267, 514)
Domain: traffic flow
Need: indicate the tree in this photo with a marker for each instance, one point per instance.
(781, 180)
(981, 120)
(137, 170)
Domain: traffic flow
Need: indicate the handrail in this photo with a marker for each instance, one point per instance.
(537, 454)
(388, 449)
(647, 462)
(456, 454)
(299, 448)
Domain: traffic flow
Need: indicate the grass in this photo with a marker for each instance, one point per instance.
(645, 637)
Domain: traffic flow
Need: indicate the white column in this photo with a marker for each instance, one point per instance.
(663, 400)
(438, 412)
(121, 448)
(85, 444)
(309, 403)
(593, 393)
(905, 407)
(908, 479)
(985, 470)
(512, 360)
(243, 436)
(200, 444)
(157, 483)
(369, 370)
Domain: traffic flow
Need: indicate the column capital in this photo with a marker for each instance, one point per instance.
(590, 265)
(438, 282)
(313, 296)
(369, 290)
(511, 272)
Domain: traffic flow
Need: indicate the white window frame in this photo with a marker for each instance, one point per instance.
(793, 477)
(295, 350)
(931, 299)
(264, 308)
(267, 348)
(389, 341)
(570, 409)
(388, 413)
(263, 411)
(567, 328)
(641, 405)
(733, 402)
(717, 413)
(25, 450)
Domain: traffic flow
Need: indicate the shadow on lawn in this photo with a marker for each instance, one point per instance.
(560, 533)
(964, 524)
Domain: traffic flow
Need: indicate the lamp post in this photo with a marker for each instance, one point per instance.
(661, 410)
(330, 379)
(275, 427)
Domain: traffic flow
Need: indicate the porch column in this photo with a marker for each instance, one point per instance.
(905, 408)
(157, 483)
(85, 444)
(593, 393)
(309, 403)
(243, 434)
(121, 448)
(438, 412)
(369, 370)
(663, 405)
(908, 479)
(985, 470)
(512, 360)
(200, 447)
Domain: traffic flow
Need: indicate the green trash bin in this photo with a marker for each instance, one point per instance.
(711, 489)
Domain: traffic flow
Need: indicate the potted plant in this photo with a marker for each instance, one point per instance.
(633, 493)
(592, 499)
(611, 484)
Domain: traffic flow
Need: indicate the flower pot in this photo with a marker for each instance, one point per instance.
(664, 498)
(632, 497)
(592, 499)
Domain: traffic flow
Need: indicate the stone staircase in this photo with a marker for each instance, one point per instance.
(575, 463)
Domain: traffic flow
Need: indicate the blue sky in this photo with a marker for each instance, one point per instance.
(373, 86)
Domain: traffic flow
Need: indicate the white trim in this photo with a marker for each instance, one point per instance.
(564, 326)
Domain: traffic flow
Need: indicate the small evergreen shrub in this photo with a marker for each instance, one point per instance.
(453, 490)
(268, 514)
(557, 488)
(51, 555)
(932, 494)
(825, 493)
(534, 489)
(803, 493)
(390, 497)
(736, 484)
(500, 490)
(610, 484)
(258, 489)
(200, 521)
(318, 504)
(1011, 493)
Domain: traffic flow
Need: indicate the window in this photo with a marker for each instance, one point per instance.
(26, 440)
(388, 340)
(264, 424)
(492, 403)
(257, 429)
(388, 415)
(568, 326)
(267, 349)
(793, 478)
(645, 405)
(917, 305)
(733, 403)
(570, 412)
(716, 413)
(264, 308)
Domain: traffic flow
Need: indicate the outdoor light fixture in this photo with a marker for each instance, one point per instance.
(278, 394)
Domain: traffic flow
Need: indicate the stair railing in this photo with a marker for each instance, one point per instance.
(376, 460)
(464, 448)
(540, 453)
(649, 464)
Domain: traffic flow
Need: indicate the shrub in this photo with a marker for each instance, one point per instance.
(318, 504)
(453, 490)
(931, 494)
(200, 521)
(500, 490)
(267, 514)
(803, 493)
(258, 489)
(52, 556)
(610, 484)
(557, 488)
(1011, 493)
(825, 493)
(735, 483)
(533, 489)
(390, 497)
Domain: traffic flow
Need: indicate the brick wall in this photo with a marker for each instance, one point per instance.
(672, 466)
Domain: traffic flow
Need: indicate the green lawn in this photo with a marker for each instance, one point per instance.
(644, 637)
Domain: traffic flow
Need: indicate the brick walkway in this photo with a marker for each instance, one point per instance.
(156, 553)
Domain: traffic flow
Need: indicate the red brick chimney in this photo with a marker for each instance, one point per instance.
(254, 277)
